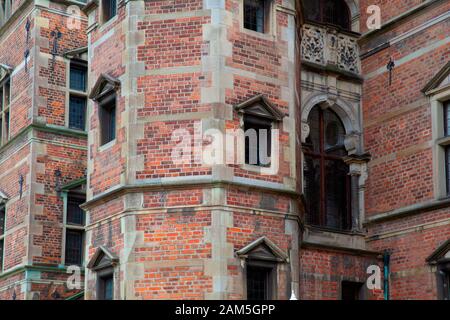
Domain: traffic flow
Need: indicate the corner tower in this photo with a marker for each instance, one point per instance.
(176, 75)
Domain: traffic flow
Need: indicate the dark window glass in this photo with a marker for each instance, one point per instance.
(1, 254)
(447, 118)
(2, 220)
(109, 9)
(258, 283)
(106, 287)
(6, 125)
(74, 247)
(334, 12)
(7, 93)
(447, 286)
(78, 77)
(254, 15)
(326, 180)
(108, 119)
(258, 142)
(75, 215)
(77, 113)
(447, 168)
(351, 291)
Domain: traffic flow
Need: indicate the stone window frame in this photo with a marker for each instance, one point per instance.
(270, 23)
(104, 263)
(5, 110)
(82, 62)
(101, 15)
(77, 188)
(3, 201)
(438, 92)
(357, 159)
(260, 106)
(262, 253)
(439, 262)
(105, 89)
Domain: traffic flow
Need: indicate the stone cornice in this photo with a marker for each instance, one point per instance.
(366, 36)
(408, 211)
(207, 183)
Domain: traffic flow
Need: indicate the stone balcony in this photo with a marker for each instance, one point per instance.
(329, 48)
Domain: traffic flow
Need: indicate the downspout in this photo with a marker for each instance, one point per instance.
(387, 271)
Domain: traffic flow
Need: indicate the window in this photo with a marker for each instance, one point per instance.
(326, 176)
(2, 234)
(5, 11)
(75, 221)
(106, 286)
(259, 283)
(258, 140)
(78, 95)
(335, 12)
(351, 290)
(109, 9)
(5, 101)
(257, 14)
(2, 220)
(107, 113)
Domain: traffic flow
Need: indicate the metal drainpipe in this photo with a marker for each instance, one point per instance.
(386, 261)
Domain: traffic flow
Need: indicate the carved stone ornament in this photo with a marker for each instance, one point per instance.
(348, 54)
(312, 47)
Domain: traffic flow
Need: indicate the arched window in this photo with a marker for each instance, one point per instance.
(326, 175)
(334, 12)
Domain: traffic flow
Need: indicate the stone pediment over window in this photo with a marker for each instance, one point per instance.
(105, 84)
(5, 71)
(3, 197)
(440, 80)
(262, 249)
(440, 254)
(259, 106)
(78, 53)
(103, 258)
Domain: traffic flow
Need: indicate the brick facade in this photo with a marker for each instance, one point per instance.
(179, 69)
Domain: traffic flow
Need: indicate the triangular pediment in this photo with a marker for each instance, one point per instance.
(5, 71)
(259, 106)
(102, 258)
(262, 249)
(104, 85)
(440, 80)
(3, 197)
(441, 253)
(78, 53)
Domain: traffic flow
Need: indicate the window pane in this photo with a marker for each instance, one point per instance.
(75, 215)
(258, 142)
(74, 247)
(108, 119)
(7, 93)
(311, 175)
(254, 15)
(351, 290)
(6, 120)
(109, 10)
(334, 134)
(109, 288)
(1, 255)
(257, 283)
(78, 77)
(313, 140)
(336, 191)
(2, 220)
(77, 113)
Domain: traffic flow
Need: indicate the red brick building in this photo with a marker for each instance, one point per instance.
(43, 148)
(235, 149)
